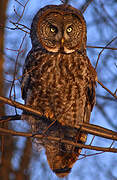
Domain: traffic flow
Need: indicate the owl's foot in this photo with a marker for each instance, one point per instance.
(49, 114)
(83, 138)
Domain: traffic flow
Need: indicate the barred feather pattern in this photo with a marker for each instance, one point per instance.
(61, 86)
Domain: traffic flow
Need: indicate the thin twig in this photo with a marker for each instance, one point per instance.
(14, 75)
(106, 97)
(16, 12)
(24, 26)
(17, 27)
(24, 6)
(19, 3)
(85, 6)
(9, 118)
(12, 49)
(88, 155)
(113, 94)
(101, 47)
(103, 50)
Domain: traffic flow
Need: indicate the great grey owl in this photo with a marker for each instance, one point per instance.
(59, 81)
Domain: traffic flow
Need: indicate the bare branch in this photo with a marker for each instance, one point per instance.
(24, 26)
(88, 128)
(85, 6)
(106, 97)
(24, 6)
(16, 24)
(9, 118)
(113, 94)
(19, 3)
(29, 135)
(17, 27)
(104, 49)
(14, 75)
(19, 106)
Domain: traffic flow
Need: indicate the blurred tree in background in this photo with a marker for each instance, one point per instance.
(18, 159)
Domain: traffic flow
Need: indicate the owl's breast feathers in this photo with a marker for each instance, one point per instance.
(60, 86)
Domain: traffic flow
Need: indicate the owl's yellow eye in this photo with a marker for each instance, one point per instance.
(69, 29)
(53, 29)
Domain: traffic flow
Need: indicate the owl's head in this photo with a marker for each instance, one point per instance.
(59, 28)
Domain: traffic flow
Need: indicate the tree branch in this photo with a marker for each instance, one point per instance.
(9, 118)
(29, 135)
(104, 49)
(88, 128)
(85, 6)
(113, 94)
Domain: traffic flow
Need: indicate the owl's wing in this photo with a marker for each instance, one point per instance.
(24, 86)
(92, 86)
(90, 93)
(29, 66)
(26, 75)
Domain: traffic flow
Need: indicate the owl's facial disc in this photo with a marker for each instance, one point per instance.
(73, 33)
(49, 32)
(59, 32)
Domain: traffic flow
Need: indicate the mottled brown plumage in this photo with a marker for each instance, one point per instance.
(58, 78)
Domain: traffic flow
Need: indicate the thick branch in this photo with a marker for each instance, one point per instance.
(88, 128)
(14, 133)
(19, 106)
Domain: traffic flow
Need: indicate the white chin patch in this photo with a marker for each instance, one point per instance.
(68, 50)
(57, 49)
(53, 49)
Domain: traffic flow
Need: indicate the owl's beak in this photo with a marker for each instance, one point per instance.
(62, 41)
(62, 45)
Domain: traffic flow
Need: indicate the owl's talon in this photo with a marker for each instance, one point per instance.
(83, 138)
(49, 115)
